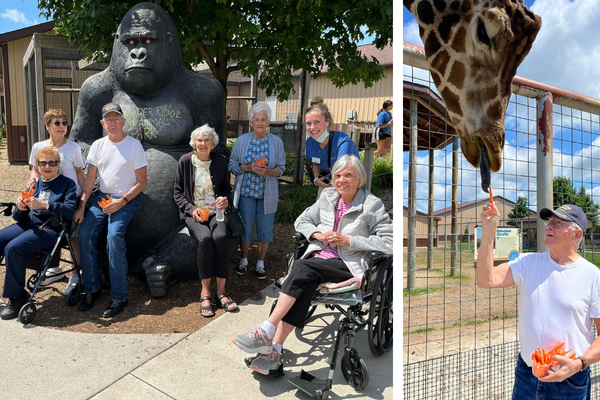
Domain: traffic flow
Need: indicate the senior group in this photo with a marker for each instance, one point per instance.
(343, 225)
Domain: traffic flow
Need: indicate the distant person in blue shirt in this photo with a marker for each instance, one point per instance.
(384, 123)
(324, 147)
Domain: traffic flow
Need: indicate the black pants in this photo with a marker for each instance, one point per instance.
(211, 253)
(302, 284)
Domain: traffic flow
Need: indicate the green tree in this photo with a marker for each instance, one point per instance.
(565, 193)
(230, 35)
(521, 210)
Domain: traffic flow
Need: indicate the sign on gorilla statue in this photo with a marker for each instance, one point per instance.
(162, 101)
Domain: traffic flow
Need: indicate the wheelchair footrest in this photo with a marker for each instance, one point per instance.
(307, 383)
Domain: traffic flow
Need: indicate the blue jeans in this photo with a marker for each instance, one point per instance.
(95, 220)
(17, 242)
(528, 387)
(253, 210)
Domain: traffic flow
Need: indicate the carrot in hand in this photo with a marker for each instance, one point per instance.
(261, 162)
(491, 196)
(27, 194)
(542, 359)
(105, 202)
(204, 213)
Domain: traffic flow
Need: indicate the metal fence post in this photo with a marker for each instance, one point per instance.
(430, 214)
(411, 273)
(454, 215)
(368, 163)
(544, 163)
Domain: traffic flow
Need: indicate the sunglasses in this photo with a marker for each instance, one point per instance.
(50, 163)
(58, 123)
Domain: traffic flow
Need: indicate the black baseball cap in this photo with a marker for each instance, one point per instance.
(568, 212)
(111, 107)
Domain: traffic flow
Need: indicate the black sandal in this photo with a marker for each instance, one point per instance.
(225, 306)
(206, 308)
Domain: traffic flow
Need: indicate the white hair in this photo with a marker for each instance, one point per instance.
(258, 107)
(576, 226)
(204, 131)
(354, 162)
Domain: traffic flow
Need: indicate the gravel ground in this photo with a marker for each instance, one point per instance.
(177, 312)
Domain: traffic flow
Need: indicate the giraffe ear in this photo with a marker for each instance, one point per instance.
(521, 46)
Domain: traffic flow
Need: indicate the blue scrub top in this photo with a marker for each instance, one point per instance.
(383, 118)
(342, 144)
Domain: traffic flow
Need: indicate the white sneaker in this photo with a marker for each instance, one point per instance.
(52, 275)
(73, 281)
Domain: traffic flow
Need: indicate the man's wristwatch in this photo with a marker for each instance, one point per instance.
(125, 198)
(584, 363)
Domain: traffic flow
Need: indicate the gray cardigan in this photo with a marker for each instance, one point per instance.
(366, 223)
(277, 160)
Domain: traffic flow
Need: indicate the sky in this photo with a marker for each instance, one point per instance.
(566, 54)
(19, 14)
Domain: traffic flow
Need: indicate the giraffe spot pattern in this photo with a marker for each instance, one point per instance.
(458, 44)
(494, 111)
(446, 25)
(440, 62)
(440, 5)
(489, 93)
(432, 44)
(455, 5)
(425, 12)
(457, 75)
(452, 101)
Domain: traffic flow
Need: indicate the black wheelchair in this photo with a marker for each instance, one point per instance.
(41, 261)
(376, 293)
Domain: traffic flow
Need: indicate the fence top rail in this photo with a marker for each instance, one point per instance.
(415, 57)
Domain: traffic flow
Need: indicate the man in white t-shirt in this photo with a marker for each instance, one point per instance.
(120, 163)
(559, 299)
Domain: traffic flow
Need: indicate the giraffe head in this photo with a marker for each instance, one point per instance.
(473, 49)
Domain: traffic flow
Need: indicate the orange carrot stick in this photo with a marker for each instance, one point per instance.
(491, 196)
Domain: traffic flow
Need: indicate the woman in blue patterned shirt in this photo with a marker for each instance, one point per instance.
(257, 159)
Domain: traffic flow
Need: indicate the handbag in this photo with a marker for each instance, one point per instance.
(235, 225)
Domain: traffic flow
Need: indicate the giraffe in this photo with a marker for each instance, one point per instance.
(473, 49)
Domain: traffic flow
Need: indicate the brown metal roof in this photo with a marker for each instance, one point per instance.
(29, 31)
(434, 126)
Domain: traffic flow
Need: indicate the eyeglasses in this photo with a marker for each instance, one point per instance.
(557, 224)
(50, 163)
(58, 123)
(261, 121)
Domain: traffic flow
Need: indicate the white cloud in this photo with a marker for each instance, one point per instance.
(410, 33)
(566, 51)
(16, 16)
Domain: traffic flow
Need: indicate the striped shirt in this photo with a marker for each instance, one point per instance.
(331, 251)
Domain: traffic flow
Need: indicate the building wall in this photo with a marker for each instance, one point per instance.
(470, 215)
(16, 51)
(366, 101)
(421, 221)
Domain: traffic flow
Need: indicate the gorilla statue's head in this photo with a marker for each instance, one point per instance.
(146, 51)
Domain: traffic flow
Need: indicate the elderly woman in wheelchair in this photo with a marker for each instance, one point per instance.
(343, 226)
(32, 232)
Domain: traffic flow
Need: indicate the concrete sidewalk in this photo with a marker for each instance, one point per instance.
(42, 363)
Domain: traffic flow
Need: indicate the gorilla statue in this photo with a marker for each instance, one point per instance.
(162, 103)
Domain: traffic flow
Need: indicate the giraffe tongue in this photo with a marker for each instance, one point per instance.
(484, 168)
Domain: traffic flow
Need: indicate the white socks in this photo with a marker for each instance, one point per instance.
(243, 261)
(260, 264)
(269, 328)
(277, 347)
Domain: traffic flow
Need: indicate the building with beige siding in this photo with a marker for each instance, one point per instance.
(469, 215)
(13, 46)
(422, 221)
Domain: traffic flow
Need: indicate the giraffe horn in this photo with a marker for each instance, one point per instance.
(484, 168)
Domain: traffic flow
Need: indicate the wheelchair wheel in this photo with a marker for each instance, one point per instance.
(355, 370)
(74, 295)
(27, 313)
(32, 281)
(380, 328)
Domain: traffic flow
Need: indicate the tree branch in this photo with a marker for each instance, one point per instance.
(204, 51)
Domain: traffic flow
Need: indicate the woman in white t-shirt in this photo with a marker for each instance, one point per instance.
(71, 166)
